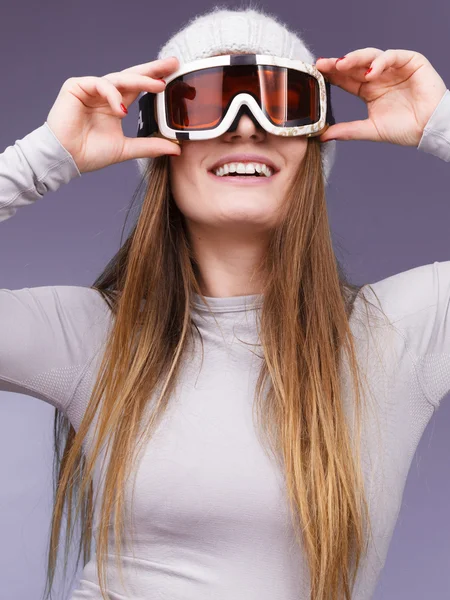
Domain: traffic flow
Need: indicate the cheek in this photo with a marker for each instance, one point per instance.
(299, 148)
(292, 150)
(297, 153)
(184, 169)
(179, 175)
(184, 186)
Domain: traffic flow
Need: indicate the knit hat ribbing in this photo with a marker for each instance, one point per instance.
(249, 30)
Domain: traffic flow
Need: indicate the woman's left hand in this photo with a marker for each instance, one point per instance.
(401, 91)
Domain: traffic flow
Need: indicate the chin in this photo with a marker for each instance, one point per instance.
(245, 216)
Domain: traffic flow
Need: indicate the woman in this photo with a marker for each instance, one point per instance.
(244, 265)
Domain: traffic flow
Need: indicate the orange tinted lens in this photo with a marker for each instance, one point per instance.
(199, 100)
(195, 100)
(290, 98)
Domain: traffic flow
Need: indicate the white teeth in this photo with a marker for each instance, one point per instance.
(241, 168)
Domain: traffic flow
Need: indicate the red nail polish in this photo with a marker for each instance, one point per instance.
(342, 58)
(368, 71)
(124, 108)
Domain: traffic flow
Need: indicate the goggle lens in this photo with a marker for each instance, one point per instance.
(199, 100)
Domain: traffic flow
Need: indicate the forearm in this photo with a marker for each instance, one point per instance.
(31, 167)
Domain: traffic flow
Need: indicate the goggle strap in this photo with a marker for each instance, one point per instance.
(148, 125)
(330, 120)
(147, 121)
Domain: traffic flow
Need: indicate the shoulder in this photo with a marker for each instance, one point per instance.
(415, 304)
(405, 294)
(48, 337)
(83, 301)
(82, 309)
(71, 315)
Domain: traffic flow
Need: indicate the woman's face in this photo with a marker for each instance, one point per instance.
(230, 204)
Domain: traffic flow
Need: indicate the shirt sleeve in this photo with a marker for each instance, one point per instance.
(417, 303)
(48, 336)
(436, 136)
(433, 357)
(34, 165)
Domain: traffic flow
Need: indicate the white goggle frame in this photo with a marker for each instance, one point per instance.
(163, 130)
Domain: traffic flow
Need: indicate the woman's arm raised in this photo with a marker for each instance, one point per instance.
(83, 132)
(400, 88)
(50, 335)
(47, 334)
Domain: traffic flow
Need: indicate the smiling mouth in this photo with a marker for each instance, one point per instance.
(244, 168)
(243, 171)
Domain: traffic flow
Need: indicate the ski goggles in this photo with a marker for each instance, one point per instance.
(206, 98)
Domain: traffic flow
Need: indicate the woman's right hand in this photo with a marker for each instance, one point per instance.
(87, 119)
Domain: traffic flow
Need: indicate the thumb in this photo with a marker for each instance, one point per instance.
(352, 130)
(148, 147)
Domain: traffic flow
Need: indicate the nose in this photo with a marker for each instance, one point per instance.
(245, 126)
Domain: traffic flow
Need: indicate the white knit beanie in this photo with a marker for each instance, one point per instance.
(248, 30)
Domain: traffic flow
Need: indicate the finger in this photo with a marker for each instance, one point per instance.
(357, 75)
(97, 87)
(156, 68)
(133, 84)
(397, 59)
(362, 57)
(346, 81)
(353, 130)
(354, 58)
(349, 71)
(135, 81)
(148, 147)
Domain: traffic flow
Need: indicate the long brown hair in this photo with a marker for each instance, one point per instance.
(305, 335)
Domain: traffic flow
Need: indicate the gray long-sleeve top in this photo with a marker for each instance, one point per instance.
(210, 510)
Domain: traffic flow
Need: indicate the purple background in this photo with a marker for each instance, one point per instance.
(389, 208)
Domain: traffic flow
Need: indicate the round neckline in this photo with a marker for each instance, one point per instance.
(228, 303)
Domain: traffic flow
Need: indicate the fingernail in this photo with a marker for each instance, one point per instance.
(342, 58)
(320, 58)
(160, 79)
(124, 108)
(330, 140)
(368, 71)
